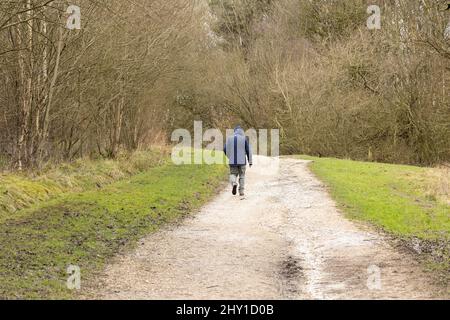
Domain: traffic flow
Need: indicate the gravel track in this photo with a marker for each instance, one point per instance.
(285, 240)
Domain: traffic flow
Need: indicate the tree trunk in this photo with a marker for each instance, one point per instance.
(46, 120)
(25, 79)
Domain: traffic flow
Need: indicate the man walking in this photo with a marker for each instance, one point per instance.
(238, 150)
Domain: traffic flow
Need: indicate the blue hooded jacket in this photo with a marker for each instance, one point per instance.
(238, 149)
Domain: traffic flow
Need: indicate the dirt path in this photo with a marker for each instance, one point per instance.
(286, 240)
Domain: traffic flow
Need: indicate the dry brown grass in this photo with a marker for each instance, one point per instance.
(439, 183)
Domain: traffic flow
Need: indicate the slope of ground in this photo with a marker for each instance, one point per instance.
(23, 190)
(285, 240)
(85, 229)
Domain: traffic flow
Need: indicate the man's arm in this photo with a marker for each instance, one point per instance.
(248, 151)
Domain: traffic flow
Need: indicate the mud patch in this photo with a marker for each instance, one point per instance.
(291, 268)
(435, 254)
(291, 274)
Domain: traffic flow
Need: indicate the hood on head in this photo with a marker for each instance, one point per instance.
(238, 130)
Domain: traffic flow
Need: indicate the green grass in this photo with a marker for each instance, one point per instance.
(88, 228)
(393, 197)
(23, 190)
(411, 203)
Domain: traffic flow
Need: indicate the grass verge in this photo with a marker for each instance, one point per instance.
(23, 190)
(88, 228)
(411, 203)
